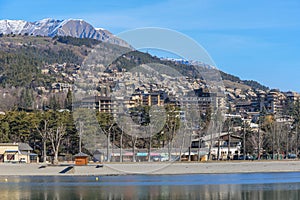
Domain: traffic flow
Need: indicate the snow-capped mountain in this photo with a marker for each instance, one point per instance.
(52, 27)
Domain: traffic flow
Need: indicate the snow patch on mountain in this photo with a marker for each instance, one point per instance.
(15, 26)
(52, 27)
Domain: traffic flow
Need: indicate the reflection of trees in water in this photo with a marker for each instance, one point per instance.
(158, 187)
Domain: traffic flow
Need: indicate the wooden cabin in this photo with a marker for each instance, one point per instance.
(81, 159)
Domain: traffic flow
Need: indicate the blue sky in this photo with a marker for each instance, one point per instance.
(256, 40)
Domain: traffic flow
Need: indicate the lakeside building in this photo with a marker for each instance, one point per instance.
(16, 153)
(142, 155)
(227, 143)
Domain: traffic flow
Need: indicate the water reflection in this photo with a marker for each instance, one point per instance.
(222, 186)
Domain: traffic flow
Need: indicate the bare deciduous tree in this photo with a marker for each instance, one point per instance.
(44, 132)
(55, 136)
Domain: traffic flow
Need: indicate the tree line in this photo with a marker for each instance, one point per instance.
(54, 132)
(57, 132)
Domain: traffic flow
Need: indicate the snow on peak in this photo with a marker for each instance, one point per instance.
(52, 27)
(12, 26)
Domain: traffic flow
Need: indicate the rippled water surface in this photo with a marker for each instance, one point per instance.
(220, 186)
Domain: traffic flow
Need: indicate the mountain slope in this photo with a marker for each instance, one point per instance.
(235, 79)
(21, 54)
(22, 57)
(52, 27)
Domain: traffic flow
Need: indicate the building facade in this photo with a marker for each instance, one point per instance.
(16, 153)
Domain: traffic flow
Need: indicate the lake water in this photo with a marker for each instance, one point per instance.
(254, 186)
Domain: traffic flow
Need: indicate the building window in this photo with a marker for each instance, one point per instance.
(10, 156)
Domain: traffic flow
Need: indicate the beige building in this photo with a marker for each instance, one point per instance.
(16, 153)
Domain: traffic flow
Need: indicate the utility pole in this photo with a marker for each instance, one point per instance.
(199, 146)
(219, 135)
(258, 151)
(150, 143)
(121, 145)
(210, 145)
(229, 126)
(244, 139)
(182, 144)
(287, 141)
(297, 141)
(80, 135)
(190, 143)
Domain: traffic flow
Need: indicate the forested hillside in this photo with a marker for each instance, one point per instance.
(251, 83)
(22, 57)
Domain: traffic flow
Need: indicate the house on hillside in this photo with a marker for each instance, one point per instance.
(17, 153)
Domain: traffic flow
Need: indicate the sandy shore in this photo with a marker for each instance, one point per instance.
(149, 168)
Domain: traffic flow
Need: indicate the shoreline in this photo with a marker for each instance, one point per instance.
(164, 168)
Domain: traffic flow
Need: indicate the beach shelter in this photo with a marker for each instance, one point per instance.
(81, 159)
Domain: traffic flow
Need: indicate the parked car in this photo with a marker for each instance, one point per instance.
(236, 157)
(163, 159)
(248, 157)
(159, 158)
(292, 156)
(156, 158)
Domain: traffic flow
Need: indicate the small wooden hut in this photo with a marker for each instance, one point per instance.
(81, 159)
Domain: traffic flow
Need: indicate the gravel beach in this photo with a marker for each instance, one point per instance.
(148, 168)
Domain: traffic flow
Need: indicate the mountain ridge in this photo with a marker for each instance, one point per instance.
(52, 27)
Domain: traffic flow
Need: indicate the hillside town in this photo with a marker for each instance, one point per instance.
(257, 122)
(246, 106)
